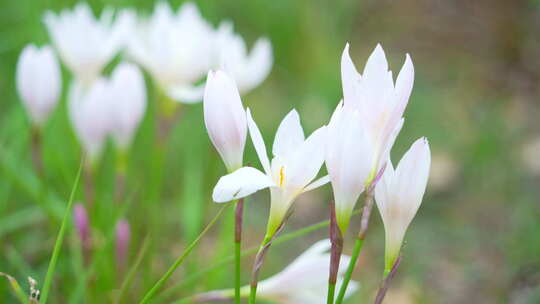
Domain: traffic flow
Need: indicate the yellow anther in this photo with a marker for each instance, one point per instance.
(281, 176)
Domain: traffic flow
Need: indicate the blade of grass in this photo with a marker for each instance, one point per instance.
(152, 292)
(279, 240)
(60, 238)
(80, 286)
(15, 287)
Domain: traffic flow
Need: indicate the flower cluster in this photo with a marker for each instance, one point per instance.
(177, 49)
(355, 146)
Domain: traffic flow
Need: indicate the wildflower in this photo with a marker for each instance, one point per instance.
(302, 282)
(176, 49)
(399, 195)
(247, 69)
(225, 118)
(86, 44)
(379, 102)
(39, 82)
(295, 164)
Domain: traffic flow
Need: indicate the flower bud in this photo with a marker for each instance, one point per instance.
(80, 218)
(225, 118)
(123, 236)
(399, 194)
(128, 103)
(38, 82)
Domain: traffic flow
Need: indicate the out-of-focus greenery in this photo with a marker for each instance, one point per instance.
(476, 238)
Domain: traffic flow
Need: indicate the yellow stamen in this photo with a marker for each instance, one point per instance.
(281, 176)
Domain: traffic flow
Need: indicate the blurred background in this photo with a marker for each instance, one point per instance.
(476, 237)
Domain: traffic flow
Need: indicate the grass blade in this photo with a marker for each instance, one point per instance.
(60, 239)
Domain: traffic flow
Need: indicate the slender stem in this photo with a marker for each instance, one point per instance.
(336, 239)
(252, 294)
(238, 247)
(385, 284)
(181, 259)
(331, 291)
(60, 239)
(131, 274)
(364, 224)
(226, 261)
(347, 277)
(37, 157)
(259, 260)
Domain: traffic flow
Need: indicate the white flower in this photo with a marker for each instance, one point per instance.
(86, 44)
(399, 194)
(304, 281)
(113, 106)
(128, 103)
(248, 70)
(295, 164)
(89, 112)
(225, 118)
(349, 160)
(379, 102)
(176, 49)
(38, 82)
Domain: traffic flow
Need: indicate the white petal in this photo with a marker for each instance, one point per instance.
(350, 78)
(412, 174)
(38, 81)
(305, 163)
(349, 160)
(187, 93)
(240, 183)
(376, 65)
(259, 64)
(128, 102)
(404, 84)
(225, 118)
(258, 143)
(289, 135)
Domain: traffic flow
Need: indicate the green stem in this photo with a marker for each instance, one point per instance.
(237, 255)
(226, 261)
(331, 291)
(252, 294)
(181, 259)
(347, 278)
(60, 239)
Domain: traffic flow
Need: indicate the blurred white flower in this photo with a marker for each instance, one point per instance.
(225, 118)
(379, 102)
(399, 194)
(295, 164)
(89, 111)
(176, 49)
(304, 281)
(128, 103)
(349, 161)
(86, 44)
(248, 70)
(38, 82)
(113, 106)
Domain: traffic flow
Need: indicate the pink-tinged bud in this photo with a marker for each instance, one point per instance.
(225, 118)
(80, 218)
(123, 236)
(39, 82)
